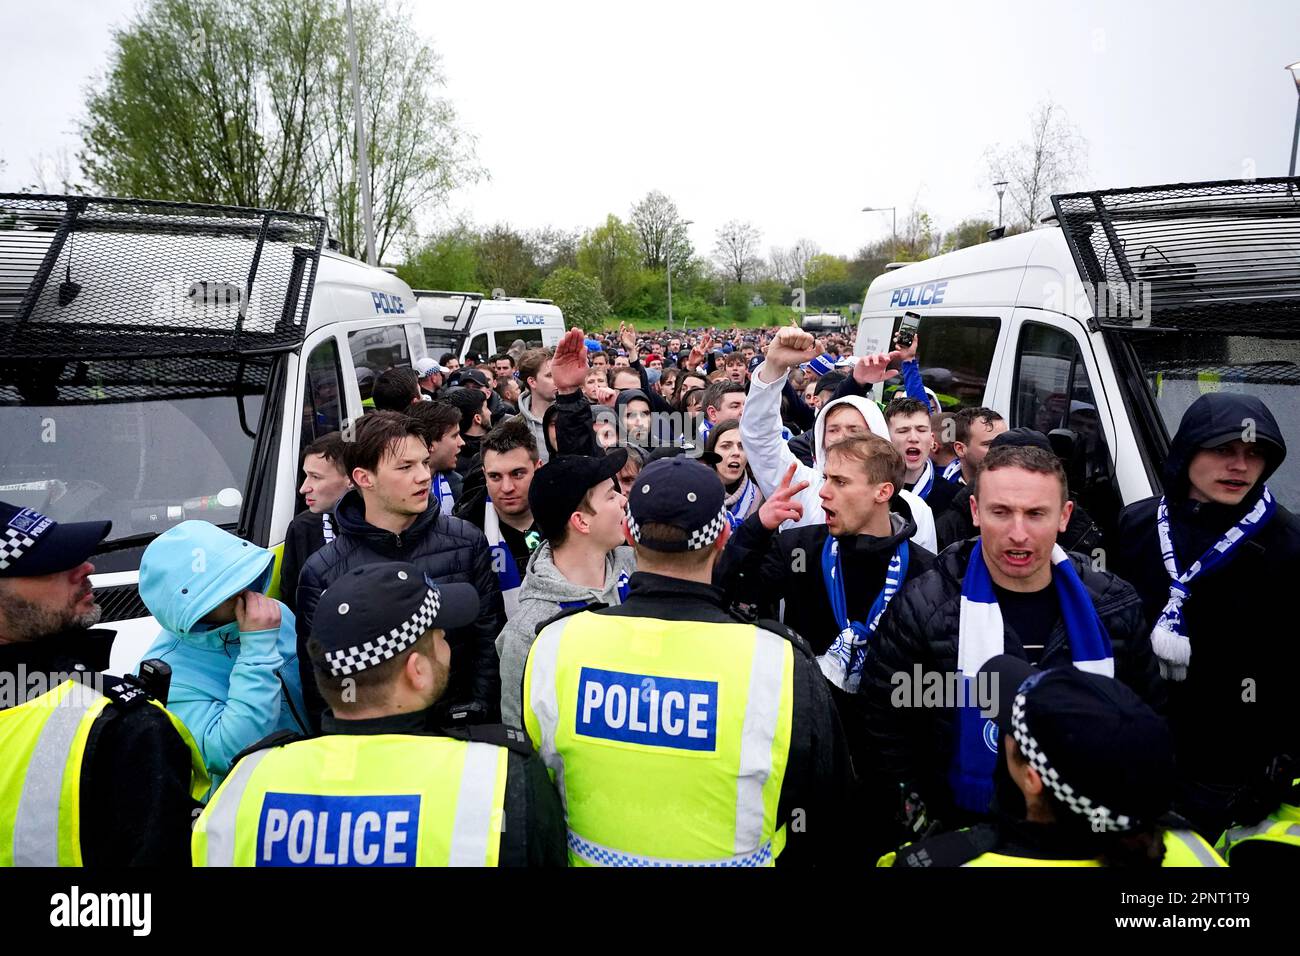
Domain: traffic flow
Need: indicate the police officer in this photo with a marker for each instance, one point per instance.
(383, 786)
(1274, 840)
(95, 771)
(679, 734)
(1086, 780)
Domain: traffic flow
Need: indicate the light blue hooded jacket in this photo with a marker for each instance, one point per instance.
(229, 689)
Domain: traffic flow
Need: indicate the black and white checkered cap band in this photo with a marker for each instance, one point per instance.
(13, 546)
(1101, 817)
(699, 538)
(387, 646)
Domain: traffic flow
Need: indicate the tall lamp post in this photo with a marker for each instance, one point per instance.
(1001, 187)
(669, 257)
(363, 148)
(894, 213)
(1295, 137)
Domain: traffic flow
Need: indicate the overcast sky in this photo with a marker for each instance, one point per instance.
(793, 115)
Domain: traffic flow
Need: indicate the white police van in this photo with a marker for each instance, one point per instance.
(464, 322)
(166, 361)
(1104, 327)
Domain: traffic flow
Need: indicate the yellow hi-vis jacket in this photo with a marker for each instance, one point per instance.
(44, 743)
(1282, 826)
(358, 800)
(667, 740)
(1182, 848)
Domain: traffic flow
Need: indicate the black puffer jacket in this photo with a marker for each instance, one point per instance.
(914, 745)
(1238, 707)
(761, 567)
(448, 550)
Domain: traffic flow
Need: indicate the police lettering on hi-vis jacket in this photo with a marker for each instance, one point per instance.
(95, 770)
(383, 785)
(677, 733)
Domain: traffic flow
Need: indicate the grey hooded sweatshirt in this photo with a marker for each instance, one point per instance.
(546, 593)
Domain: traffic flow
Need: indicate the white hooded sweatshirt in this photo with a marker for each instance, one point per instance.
(769, 457)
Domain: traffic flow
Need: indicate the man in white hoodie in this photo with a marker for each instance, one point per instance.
(770, 457)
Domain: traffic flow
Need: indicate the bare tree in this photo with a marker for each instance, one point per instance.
(778, 264)
(801, 253)
(736, 250)
(1049, 161)
(55, 173)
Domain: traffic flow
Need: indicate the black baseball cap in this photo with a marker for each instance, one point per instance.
(683, 494)
(475, 376)
(375, 612)
(32, 544)
(1102, 752)
(1023, 437)
(559, 486)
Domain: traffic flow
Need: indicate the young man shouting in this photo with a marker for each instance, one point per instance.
(1012, 590)
(770, 457)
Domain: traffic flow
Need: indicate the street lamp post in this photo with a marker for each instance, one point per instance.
(1295, 137)
(1001, 187)
(668, 255)
(893, 211)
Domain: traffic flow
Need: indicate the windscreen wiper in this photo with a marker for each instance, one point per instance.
(136, 540)
(130, 541)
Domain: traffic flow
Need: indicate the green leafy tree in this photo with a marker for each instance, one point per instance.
(505, 261)
(578, 296)
(824, 267)
(610, 253)
(968, 232)
(249, 102)
(448, 261)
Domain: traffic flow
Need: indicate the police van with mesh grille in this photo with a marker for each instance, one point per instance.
(166, 361)
(1102, 329)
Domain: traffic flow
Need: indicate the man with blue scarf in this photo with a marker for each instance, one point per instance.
(836, 580)
(1012, 590)
(1215, 558)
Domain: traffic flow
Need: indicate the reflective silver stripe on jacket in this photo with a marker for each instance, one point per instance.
(472, 830)
(36, 823)
(221, 817)
(1204, 855)
(762, 716)
(543, 698)
(1237, 834)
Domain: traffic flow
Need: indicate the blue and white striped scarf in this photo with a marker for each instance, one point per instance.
(844, 659)
(925, 483)
(981, 637)
(1169, 638)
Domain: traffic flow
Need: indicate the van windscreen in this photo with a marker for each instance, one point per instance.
(145, 443)
(1179, 368)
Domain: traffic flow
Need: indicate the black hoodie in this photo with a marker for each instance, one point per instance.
(1238, 707)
